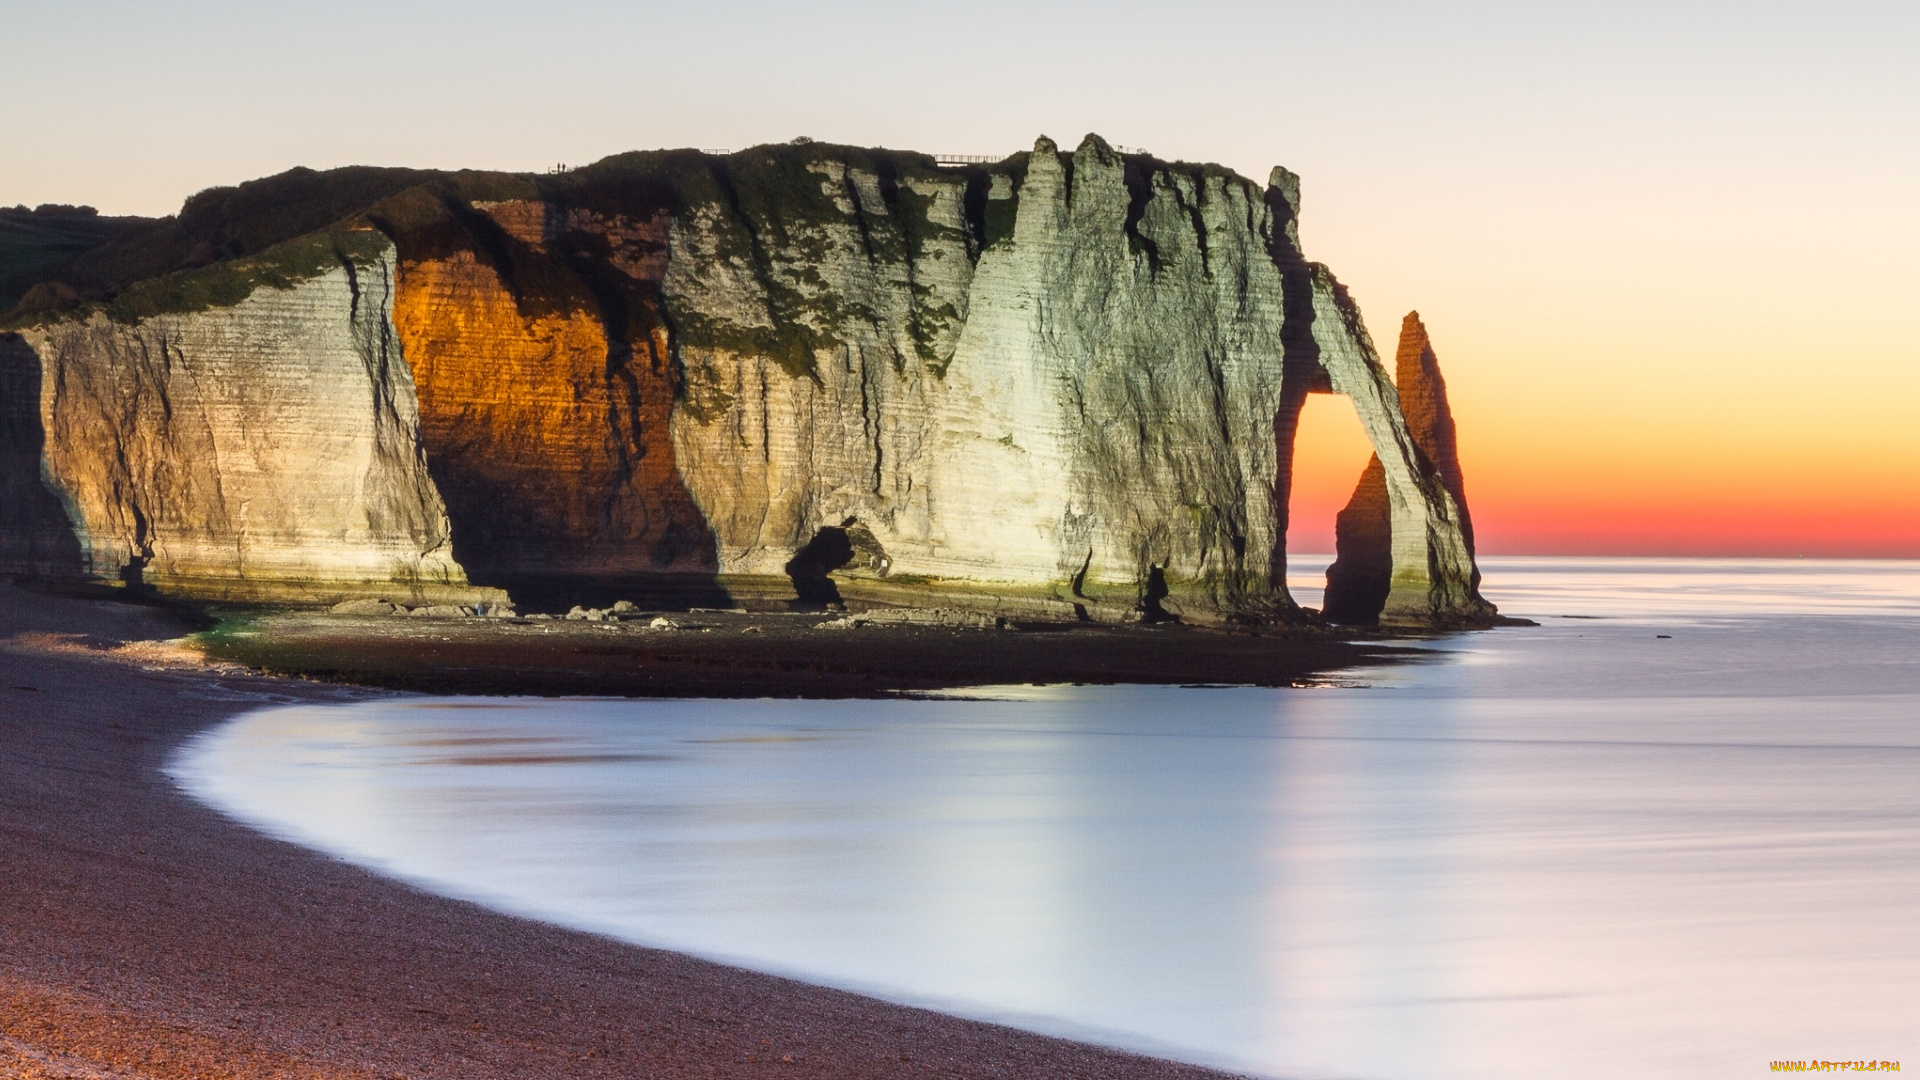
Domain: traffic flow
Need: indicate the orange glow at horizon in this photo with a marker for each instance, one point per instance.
(1330, 450)
(1644, 359)
(1810, 451)
(1604, 458)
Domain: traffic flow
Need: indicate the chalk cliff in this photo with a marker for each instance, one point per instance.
(1062, 383)
(265, 449)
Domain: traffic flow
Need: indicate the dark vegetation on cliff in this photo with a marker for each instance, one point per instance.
(218, 227)
(39, 245)
(87, 259)
(226, 223)
(223, 241)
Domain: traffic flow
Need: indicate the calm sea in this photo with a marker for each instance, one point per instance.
(1673, 831)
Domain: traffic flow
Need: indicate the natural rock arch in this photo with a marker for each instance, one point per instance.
(1404, 542)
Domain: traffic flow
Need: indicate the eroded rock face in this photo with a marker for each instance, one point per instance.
(265, 449)
(1045, 403)
(1065, 383)
(1368, 580)
(546, 389)
(1423, 398)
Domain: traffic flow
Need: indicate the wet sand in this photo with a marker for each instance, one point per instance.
(143, 935)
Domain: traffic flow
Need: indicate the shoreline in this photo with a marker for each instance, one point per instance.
(149, 937)
(706, 653)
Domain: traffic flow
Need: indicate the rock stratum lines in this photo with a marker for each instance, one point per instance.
(1062, 384)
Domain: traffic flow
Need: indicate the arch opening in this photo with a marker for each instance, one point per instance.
(1330, 449)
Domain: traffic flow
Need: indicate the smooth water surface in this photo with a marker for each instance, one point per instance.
(1577, 850)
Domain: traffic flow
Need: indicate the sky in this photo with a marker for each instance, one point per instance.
(1669, 253)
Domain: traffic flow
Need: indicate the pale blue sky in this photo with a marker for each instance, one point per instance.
(134, 105)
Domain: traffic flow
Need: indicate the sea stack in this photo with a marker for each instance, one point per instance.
(1362, 587)
(1059, 385)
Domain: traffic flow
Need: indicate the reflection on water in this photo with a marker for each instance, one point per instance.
(1582, 849)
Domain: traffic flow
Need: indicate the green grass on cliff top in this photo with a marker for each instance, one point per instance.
(274, 232)
(223, 284)
(140, 264)
(227, 283)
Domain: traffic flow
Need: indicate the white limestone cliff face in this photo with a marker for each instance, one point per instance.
(266, 449)
(1090, 423)
(771, 455)
(1136, 416)
(1063, 383)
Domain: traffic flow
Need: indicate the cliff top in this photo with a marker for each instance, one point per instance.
(56, 262)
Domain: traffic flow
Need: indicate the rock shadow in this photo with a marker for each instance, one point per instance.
(1362, 572)
(37, 538)
(830, 549)
(1155, 591)
(1301, 372)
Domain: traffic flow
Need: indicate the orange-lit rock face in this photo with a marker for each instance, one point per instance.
(545, 393)
(1423, 400)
